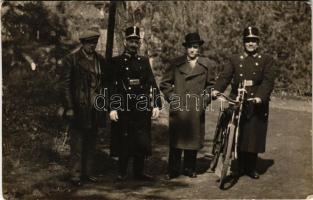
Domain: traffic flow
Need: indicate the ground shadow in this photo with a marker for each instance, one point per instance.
(203, 164)
(264, 164)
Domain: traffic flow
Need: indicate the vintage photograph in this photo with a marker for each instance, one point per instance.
(156, 100)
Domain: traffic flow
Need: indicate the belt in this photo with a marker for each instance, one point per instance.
(249, 83)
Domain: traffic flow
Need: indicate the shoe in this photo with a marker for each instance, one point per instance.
(143, 177)
(171, 176)
(121, 177)
(77, 182)
(253, 175)
(190, 173)
(239, 173)
(210, 170)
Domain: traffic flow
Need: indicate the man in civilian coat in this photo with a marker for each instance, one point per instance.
(133, 102)
(185, 84)
(83, 76)
(258, 71)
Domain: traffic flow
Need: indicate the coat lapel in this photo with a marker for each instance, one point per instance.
(200, 68)
(181, 65)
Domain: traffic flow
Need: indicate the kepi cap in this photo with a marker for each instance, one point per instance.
(132, 32)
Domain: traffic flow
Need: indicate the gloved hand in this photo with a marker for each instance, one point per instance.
(114, 115)
(214, 94)
(155, 113)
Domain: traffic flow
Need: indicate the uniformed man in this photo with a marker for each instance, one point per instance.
(187, 79)
(258, 71)
(83, 77)
(134, 85)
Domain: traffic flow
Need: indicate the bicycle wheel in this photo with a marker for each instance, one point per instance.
(227, 153)
(218, 140)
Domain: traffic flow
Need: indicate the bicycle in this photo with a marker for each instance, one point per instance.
(225, 141)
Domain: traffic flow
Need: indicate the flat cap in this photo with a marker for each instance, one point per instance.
(89, 36)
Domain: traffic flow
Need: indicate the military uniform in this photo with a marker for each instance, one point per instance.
(131, 135)
(82, 79)
(259, 72)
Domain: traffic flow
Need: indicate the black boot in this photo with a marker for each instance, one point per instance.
(138, 169)
(190, 159)
(122, 168)
(250, 165)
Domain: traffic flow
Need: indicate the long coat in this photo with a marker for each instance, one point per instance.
(186, 90)
(133, 94)
(258, 69)
(80, 81)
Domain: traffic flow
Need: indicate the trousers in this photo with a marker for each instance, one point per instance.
(82, 144)
(174, 160)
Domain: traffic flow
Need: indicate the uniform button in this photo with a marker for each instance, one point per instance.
(141, 87)
(138, 58)
(241, 57)
(127, 68)
(260, 56)
(257, 64)
(252, 93)
(240, 65)
(240, 74)
(125, 59)
(128, 78)
(254, 73)
(141, 97)
(129, 88)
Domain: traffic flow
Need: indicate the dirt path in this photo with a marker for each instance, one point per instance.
(286, 168)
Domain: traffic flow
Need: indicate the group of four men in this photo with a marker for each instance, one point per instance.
(129, 78)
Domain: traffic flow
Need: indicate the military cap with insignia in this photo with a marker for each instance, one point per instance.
(132, 32)
(251, 33)
(89, 36)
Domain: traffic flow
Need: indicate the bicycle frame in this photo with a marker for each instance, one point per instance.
(226, 140)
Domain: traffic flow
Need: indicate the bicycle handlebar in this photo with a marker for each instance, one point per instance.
(227, 98)
(232, 101)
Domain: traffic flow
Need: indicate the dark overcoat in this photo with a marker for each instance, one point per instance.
(79, 79)
(134, 93)
(186, 90)
(258, 69)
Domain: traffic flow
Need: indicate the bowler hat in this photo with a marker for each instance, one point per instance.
(192, 38)
(132, 32)
(89, 36)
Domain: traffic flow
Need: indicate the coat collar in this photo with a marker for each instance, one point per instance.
(245, 55)
(182, 65)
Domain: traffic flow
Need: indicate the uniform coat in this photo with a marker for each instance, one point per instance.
(260, 70)
(185, 88)
(134, 82)
(80, 80)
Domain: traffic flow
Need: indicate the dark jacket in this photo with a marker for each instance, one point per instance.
(81, 80)
(258, 69)
(134, 93)
(186, 90)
